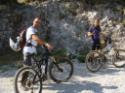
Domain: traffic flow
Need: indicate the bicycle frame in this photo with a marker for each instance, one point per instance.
(44, 61)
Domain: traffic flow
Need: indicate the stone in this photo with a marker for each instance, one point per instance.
(69, 21)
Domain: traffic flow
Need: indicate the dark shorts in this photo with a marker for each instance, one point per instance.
(96, 44)
(28, 59)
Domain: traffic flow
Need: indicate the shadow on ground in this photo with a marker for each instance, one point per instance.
(78, 87)
(108, 69)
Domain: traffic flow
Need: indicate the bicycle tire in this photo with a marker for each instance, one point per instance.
(92, 65)
(61, 64)
(118, 57)
(24, 69)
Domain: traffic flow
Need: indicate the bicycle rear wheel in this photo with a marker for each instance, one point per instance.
(27, 84)
(61, 71)
(119, 58)
(93, 61)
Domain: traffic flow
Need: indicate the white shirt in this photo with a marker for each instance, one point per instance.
(30, 49)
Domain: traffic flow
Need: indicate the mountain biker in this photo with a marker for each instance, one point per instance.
(94, 32)
(32, 40)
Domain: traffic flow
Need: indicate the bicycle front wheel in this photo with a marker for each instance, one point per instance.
(119, 58)
(61, 71)
(25, 81)
(93, 61)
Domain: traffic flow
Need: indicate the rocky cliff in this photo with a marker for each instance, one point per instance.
(64, 22)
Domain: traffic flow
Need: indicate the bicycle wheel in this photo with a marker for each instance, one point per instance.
(119, 58)
(61, 71)
(31, 82)
(93, 61)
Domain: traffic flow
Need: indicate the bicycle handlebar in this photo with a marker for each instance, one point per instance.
(46, 49)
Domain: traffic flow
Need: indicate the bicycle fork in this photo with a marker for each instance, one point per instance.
(55, 62)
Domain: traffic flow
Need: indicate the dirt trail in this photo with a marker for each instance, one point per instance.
(107, 80)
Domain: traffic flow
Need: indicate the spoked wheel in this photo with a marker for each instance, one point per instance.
(119, 58)
(93, 61)
(61, 71)
(27, 81)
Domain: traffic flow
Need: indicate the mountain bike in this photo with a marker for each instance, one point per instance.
(59, 71)
(97, 58)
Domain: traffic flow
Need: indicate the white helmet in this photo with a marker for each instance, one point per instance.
(14, 45)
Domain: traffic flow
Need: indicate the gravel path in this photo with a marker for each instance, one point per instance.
(108, 80)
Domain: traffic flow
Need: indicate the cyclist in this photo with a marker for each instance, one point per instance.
(94, 32)
(32, 40)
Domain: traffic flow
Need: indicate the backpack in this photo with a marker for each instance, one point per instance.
(20, 41)
(23, 38)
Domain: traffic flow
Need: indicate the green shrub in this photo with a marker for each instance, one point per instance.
(10, 58)
(59, 52)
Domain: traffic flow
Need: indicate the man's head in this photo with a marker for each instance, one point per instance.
(37, 22)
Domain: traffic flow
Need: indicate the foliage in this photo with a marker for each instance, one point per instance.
(59, 52)
(84, 1)
(82, 54)
(8, 2)
(10, 58)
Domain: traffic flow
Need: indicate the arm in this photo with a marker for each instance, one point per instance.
(90, 32)
(41, 42)
(38, 40)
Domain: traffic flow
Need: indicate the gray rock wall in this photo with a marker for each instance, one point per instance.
(67, 22)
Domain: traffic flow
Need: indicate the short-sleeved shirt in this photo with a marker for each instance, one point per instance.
(96, 32)
(30, 31)
(30, 49)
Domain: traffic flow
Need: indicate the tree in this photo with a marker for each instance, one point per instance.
(8, 2)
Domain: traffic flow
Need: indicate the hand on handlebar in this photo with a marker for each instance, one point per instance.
(48, 46)
(89, 34)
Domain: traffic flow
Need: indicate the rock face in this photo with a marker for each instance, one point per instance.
(10, 19)
(65, 22)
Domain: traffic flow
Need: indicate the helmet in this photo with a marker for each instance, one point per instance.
(15, 46)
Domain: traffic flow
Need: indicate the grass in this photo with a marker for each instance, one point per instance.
(59, 52)
(10, 58)
(5, 68)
